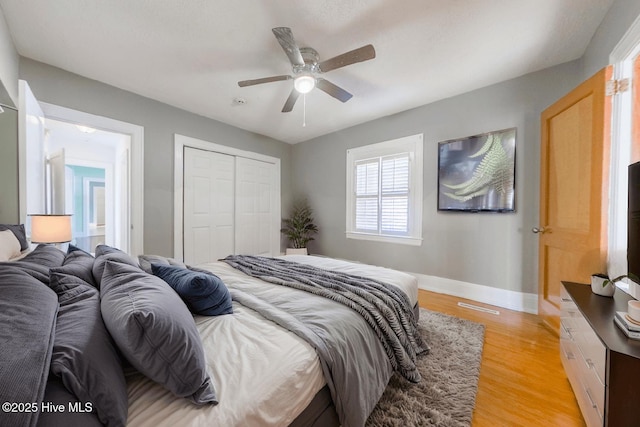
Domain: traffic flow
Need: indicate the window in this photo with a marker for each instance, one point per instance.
(384, 191)
(625, 143)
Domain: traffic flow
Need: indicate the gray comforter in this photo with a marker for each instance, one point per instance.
(362, 329)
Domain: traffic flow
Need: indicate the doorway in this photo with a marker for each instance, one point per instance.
(83, 179)
(126, 191)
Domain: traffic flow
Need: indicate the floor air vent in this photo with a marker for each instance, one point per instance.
(478, 308)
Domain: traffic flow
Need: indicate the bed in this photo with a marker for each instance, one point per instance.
(263, 363)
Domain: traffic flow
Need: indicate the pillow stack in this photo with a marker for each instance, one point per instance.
(111, 310)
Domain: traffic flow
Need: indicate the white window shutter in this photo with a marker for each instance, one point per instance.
(384, 191)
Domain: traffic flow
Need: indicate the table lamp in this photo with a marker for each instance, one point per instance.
(49, 228)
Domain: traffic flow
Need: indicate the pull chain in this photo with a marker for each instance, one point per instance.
(304, 109)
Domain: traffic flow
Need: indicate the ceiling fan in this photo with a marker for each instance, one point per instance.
(307, 69)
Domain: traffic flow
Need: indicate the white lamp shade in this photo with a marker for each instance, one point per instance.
(50, 228)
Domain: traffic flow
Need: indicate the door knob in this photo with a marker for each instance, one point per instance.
(537, 230)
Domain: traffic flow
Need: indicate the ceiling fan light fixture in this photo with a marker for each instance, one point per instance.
(304, 83)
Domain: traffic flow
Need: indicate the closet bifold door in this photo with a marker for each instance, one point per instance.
(209, 205)
(254, 208)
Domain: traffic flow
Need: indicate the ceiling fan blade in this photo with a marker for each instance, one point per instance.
(288, 43)
(333, 90)
(361, 54)
(244, 83)
(291, 100)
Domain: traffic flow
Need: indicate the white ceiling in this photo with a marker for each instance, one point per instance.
(192, 53)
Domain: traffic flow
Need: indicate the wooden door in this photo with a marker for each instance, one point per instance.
(574, 172)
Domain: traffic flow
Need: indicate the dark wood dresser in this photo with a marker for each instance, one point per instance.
(602, 364)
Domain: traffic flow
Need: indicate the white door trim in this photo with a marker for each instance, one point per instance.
(181, 141)
(136, 167)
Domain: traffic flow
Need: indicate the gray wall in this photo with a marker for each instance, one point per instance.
(161, 122)
(8, 66)
(9, 209)
(8, 127)
(620, 17)
(496, 250)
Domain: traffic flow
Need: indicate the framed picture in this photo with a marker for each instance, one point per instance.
(477, 173)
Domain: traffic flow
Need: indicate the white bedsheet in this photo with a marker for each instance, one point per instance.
(263, 374)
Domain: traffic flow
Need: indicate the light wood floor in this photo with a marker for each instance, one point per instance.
(522, 382)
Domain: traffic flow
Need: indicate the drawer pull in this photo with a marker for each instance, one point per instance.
(569, 355)
(593, 404)
(590, 364)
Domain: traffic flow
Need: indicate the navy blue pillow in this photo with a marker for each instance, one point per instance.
(203, 293)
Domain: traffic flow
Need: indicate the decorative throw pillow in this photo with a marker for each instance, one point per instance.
(9, 245)
(80, 264)
(204, 294)
(155, 331)
(44, 255)
(18, 231)
(84, 354)
(146, 261)
(106, 253)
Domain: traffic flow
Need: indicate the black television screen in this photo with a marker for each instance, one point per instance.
(477, 173)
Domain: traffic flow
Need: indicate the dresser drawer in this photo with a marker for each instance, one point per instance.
(593, 352)
(595, 390)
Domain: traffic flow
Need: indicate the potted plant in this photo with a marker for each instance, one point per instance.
(601, 284)
(299, 228)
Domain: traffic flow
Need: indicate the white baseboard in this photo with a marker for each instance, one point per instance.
(511, 300)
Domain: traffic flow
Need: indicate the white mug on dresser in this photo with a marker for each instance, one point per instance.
(633, 309)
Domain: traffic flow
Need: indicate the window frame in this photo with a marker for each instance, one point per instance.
(410, 144)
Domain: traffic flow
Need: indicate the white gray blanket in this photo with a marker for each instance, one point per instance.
(359, 345)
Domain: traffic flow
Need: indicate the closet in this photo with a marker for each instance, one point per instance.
(231, 204)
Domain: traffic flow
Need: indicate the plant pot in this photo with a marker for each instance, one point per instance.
(597, 288)
(296, 251)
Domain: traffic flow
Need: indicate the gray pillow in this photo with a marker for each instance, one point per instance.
(58, 394)
(80, 264)
(37, 271)
(106, 253)
(44, 255)
(155, 331)
(84, 354)
(147, 260)
(27, 318)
